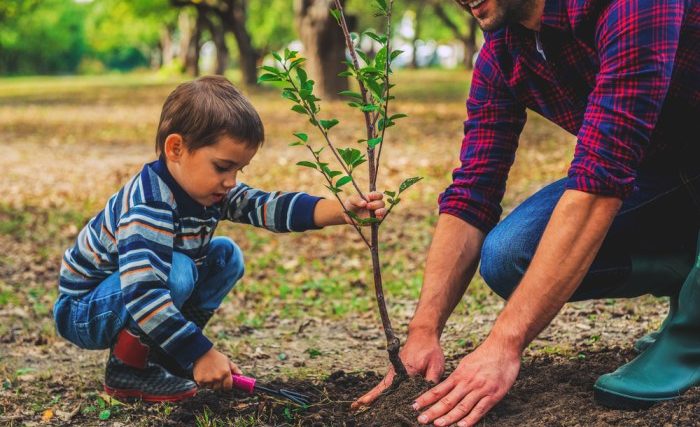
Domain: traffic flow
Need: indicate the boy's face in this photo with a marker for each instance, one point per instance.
(207, 173)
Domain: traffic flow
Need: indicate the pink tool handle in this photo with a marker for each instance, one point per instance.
(244, 383)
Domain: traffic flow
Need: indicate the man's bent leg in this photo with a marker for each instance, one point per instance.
(649, 248)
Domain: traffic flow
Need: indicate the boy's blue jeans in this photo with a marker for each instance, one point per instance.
(93, 320)
(659, 219)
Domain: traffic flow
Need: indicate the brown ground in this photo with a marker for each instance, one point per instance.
(304, 311)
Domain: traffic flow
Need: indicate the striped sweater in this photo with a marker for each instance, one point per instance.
(141, 226)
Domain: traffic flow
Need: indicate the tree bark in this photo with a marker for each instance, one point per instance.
(324, 45)
(468, 40)
(233, 17)
(218, 36)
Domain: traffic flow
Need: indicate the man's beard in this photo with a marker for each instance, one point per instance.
(507, 12)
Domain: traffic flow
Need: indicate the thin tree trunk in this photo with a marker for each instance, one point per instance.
(234, 20)
(218, 36)
(191, 63)
(470, 48)
(468, 40)
(416, 36)
(324, 45)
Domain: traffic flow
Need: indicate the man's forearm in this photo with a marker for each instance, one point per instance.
(566, 251)
(451, 264)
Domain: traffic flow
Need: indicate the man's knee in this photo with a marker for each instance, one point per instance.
(504, 259)
(182, 278)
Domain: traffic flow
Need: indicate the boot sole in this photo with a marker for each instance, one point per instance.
(615, 400)
(138, 394)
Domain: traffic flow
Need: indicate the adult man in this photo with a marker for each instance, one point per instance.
(624, 76)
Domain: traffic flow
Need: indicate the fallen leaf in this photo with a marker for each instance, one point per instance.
(47, 415)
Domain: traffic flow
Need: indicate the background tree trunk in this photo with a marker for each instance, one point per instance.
(218, 36)
(233, 17)
(324, 45)
(468, 40)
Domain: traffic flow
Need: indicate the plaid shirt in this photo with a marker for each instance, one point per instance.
(621, 75)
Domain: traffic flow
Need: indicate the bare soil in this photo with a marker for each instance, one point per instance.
(550, 391)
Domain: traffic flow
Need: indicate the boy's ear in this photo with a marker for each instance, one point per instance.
(174, 147)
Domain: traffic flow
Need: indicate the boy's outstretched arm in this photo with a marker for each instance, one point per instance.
(329, 212)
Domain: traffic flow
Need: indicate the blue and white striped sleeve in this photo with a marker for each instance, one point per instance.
(279, 212)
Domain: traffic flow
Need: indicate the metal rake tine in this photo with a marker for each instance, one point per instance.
(295, 397)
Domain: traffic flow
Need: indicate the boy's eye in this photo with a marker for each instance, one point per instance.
(223, 168)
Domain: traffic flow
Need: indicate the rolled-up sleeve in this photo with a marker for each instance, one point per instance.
(637, 42)
(491, 133)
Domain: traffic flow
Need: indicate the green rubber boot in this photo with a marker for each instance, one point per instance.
(647, 340)
(669, 367)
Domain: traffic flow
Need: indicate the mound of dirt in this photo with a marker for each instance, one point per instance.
(394, 407)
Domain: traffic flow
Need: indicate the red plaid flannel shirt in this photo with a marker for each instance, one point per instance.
(622, 75)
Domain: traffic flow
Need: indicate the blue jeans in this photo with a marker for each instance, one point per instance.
(659, 219)
(93, 320)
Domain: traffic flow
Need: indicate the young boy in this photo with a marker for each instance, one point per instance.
(146, 273)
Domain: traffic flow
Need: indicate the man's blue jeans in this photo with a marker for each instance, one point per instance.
(659, 219)
(93, 320)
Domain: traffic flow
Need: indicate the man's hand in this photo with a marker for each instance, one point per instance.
(213, 370)
(479, 382)
(421, 355)
(362, 208)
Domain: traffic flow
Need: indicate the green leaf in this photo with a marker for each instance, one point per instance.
(269, 78)
(381, 4)
(295, 143)
(349, 155)
(380, 59)
(395, 54)
(296, 63)
(347, 73)
(334, 190)
(368, 221)
(333, 174)
(105, 414)
(299, 109)
(327, 124)
(368, 108)
(374, 36)
(336, 15)
(342, 181)
(375, 88)
(398, 116)
(409, 182)
(363, 55)
(272, 70)
(304, 137)
(358, 162)
(303, 77)
(374, 142)
(350, 94)
(290, 95)
(306, 164)
(390, 193)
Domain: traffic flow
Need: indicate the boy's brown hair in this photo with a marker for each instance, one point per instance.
(204, 110)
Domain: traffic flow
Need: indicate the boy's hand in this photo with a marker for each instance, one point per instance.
(213, 370)
(362, 208)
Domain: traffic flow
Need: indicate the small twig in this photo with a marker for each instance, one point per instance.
(386, 81)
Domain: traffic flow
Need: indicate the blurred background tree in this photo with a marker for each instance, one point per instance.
(213, 36)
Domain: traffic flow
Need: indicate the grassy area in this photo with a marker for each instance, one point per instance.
(306, 305)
